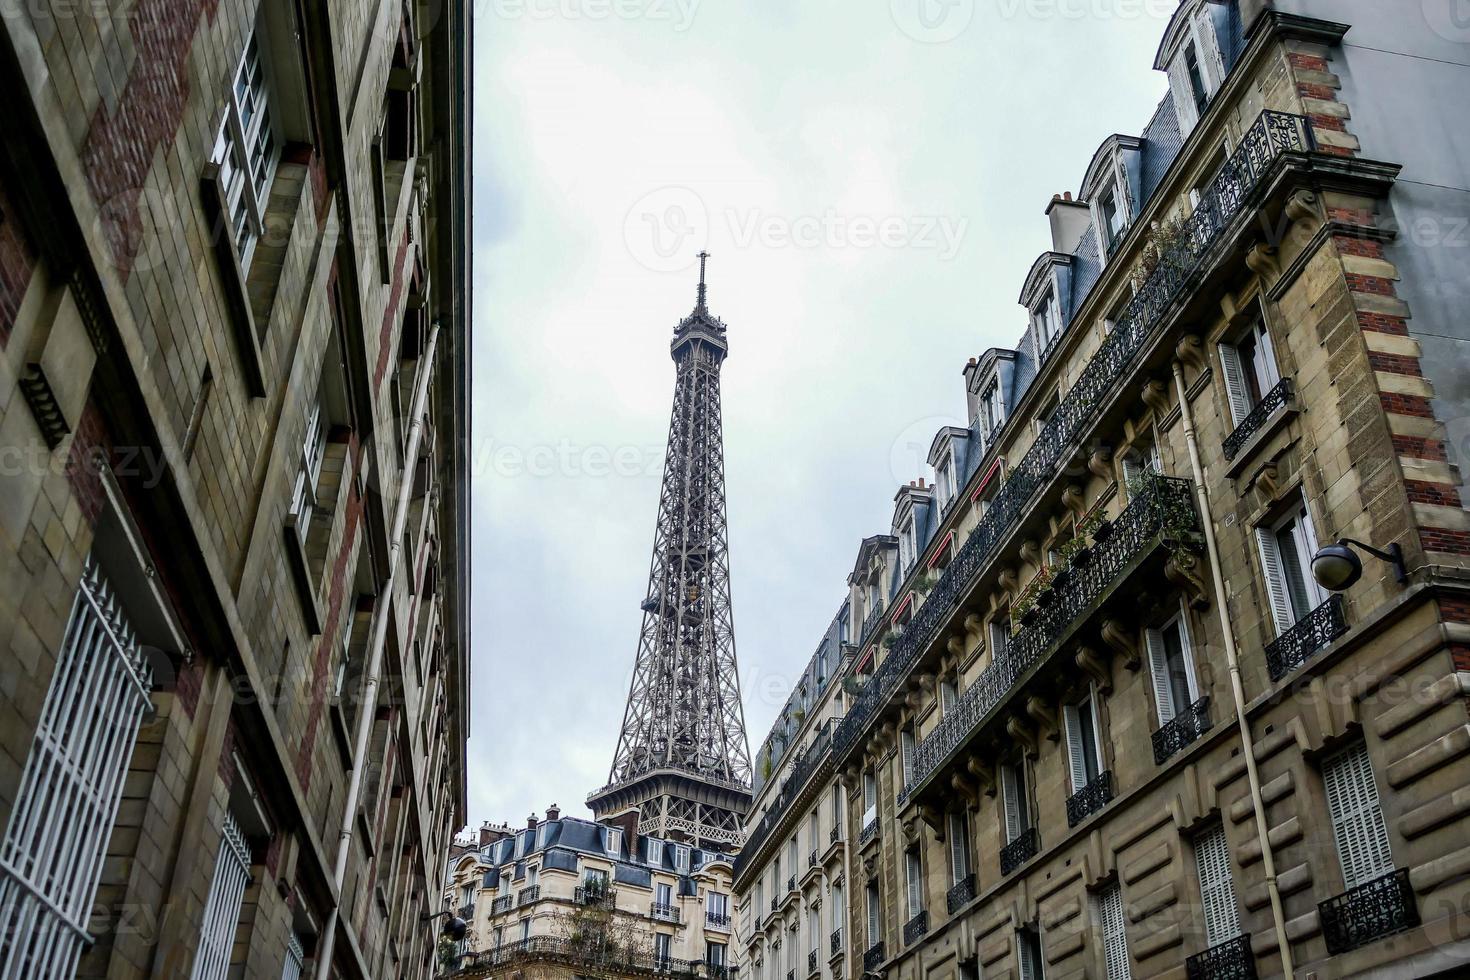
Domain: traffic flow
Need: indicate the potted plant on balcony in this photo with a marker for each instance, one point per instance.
(891, 638)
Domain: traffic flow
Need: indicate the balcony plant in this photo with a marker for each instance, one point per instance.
(891, 638)
(1167, 242)
(1024, 610)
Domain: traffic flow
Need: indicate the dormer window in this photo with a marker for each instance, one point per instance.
(1046, 321)
(681, 858)
(907, 550)
(1196, 78)
(655, 852)
(1114, 219)
(992, 407)
(1191, 53)
(944, 480)
(614, 841)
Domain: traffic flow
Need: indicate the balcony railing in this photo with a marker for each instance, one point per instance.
(466, 912)
(916, 928)
(791, 883)
(817, 752)
(663, 912)
(1178, 269)
(870, 830)
(811, 962)
(1369, 912)
(836, 941)
(1273, 401)
(874, 617)
(1182, 730)
(1311, 633)
(960, 895)
(873, 957)
(834, 833)
(1230, 960)
(811, 859)
(528, 895)
(580, 954)
(1090, 798)
(595, 895)
(1020, 850)
(1163, 510)
(501, 904)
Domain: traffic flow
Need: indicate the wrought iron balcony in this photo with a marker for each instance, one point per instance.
(811, 859)
(873, 957)
(773, 903)
(717, 920)
(870, 830)
(595, 895)
(960, 895)
(501, 904)
(466, 912)
(1090, 798)
(1162, 513)
(1220, 205)
(791, 883)
(578, 954)
(916, 928)
(1020, 850)
(836, 940)
(1230, 960)
(870, 624)
(1311, 633)
(790, 975)
(817, 753)
(1273, 401)
(663, 912)
(528, 895)
(1182, 730)
(834, 833)
(1369, 912)
(811, 962)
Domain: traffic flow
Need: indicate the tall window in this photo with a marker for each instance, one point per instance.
(1287, 547)
(875, 917)
(1357, 819)
(295, 958)
(949, 693)
(1250, 369)
(614, 841)
(1028, 954)
(1113, 218)
(944, 480)
(1084, 752)
(1000, 636)
(914, 876)
(1013, 799)
(222, 908)
(681, 858)
(1142, 459)
(717, 904)
(1047, 319)
(1172, 666)
(907, 545)
(715, 955)
(1196, 78)
(247, 149)
(870, 798)
(655, 852)
(959, 847)
(525, 930)
(1216, 888)
(309, 469)
(1114, 933)
(992, 407)
(906, 754)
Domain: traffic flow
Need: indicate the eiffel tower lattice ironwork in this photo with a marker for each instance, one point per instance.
(682, 759)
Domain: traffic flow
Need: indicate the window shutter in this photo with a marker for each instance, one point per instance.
(1010, 789)
(1240, 403)
(959, 857)
(1076, 747)
(907, 740)
(1183, 96)
(916, 884)
(1357, 819)
(1158, 665)
(1275, 580)
(1307, 535)
(1217, 890)
(1114, 933)
(1211, 60)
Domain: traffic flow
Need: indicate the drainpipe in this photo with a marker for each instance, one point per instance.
(1232, 658)
(373, 677)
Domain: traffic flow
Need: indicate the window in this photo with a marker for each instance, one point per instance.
(466, 895)
(543, 834)
(944, 480)
(1286, 550)
(914, 877)
(813, 832)
(1357, 820)
(714, 955)
(247, 149)
(1083, 749)
(949, 693)
(992, 408)
(1172, 666)
(1013, 793)
(875, 917)
(1142, 459)
(663, 950)
(1216, 889)
(309, 469)
(959, 847)
(1047, 321)
(681, 858)
(533, 875)
(870, 798)
(663, 894)
(717, 904)
(655, 852)
(1113, 218)
(1249, 367)
(226, 898)
(525, 929)
(1196, 78)
(1114, 933)
(907, 546)
(1000, 636)
(295, 957)
(1028, 954)
(595, 880)
(906, 754)
(837, 811)
(614, 842)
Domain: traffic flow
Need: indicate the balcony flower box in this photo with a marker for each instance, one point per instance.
(1102, 532)
(1060, 578)
(1045, 597)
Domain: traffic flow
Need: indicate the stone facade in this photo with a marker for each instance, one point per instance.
(1046, 768)
(219, 226)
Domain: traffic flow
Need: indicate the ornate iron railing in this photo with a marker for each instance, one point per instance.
(916, 928)
(527, 895)
(1230, 960)
(1275, 399)
(595, 895)
(501, 904)
(811, 961)
(1182, 730)
(873, 957)
(1163, 509)
(1090, 798)
(1020, 850)
(960, 895)
(836, 941)
(1179, 265)
(817, 753)
(579, 954)
(720, 920)
(466, 912)
(870, 830)
(664, 912)
(811, 858)
(833, 833)
(1371, 911)
(1311, 633)
(870, 624)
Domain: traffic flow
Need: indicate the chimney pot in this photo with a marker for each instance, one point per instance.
(1067, 196)
(531, 822)
(553, 812)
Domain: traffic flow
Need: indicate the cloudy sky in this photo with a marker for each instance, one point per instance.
(870, 177)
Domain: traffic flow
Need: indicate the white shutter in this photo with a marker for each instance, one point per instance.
(1308, 541)
(295, 957)
(906, 740)
(1010, 790)
(1114, 933)
(1275, 580)
(1357, 820)
(873, 923)
(1076, 747)
(916, 883)
(1217, 889)
(1028, 948)
(1183, 95)
(959, 848)
(1158, 665)
(1235, 387)
(1212, 62)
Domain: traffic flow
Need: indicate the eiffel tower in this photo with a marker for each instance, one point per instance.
(682, 758)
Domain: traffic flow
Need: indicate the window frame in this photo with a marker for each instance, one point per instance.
(1158, 656)
(1077, 730)
(248, 144)
(1274, 565)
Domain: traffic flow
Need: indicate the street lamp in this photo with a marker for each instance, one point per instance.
(455, 928)
(1337, 567)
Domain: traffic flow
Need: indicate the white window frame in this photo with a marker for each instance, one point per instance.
(1046, 320)
(1114, 928)
(949, 694)
(655, 852)
(944, 479)
(681, 858)
(907, 543)
(1275, 562)
(248, 146)
(914, 880)
(959, 846)
(613, 842)
(304, 501)
(1016, 810)
(1076, 741)
(295, 958)
(1216, 886)
(1029, 955)
(907, 746)
(222, 908)
(1263, 365)
(875, 916)
(1158, 667)
(1358, 827)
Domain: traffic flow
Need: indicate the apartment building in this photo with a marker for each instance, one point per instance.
(234, 353)
(1110, 720)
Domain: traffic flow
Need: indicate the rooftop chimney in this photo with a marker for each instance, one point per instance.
(1069, 221)
(531, 822)
(553, 812)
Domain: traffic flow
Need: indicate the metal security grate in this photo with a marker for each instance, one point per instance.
(222, 911)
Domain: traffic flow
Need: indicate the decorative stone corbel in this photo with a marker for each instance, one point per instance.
(934, 818)
(1191, 352)
(870, 863)
(955, 645)
(973, 623)
(1155, 395)
(1262, 260)
(910, 826)
(1183, 569)
(1100, 462)
(1074, 500)
(984, 775)
(1031, 551)
(1119, 639)
(1044, 716)
(1267, 483)
(1091, 663)
(1007, 579)
(887, 736)
(965, 789)
(1023, 736)
(1302, 206)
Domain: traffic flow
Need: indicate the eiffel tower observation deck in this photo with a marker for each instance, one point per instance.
(682, 759)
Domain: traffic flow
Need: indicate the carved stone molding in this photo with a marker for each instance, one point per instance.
(1155, 395)
(1045, 717)
(1191, 352)
(1091, 663)
(1100, 462)
(984, 774)
(965, 789)
(1263, 261)
(1022, 734)
(1183, 569)
(1302, 206)
(1031, 551)
(1119, 639)
(1008, 580)
(1074, 500)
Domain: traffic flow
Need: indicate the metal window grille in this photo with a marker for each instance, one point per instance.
(222, 910)
(295, 957)
(49, 865)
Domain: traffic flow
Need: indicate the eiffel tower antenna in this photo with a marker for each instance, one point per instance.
(682, 758)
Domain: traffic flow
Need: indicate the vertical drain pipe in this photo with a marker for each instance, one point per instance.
(373, 678)
(1232, 659)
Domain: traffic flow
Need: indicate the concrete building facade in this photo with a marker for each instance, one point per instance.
(1107, 722)
(234, 352)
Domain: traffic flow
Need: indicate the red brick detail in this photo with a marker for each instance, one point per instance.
(1333, 123)
(1395, 363)
(1383, 323)
(317, 171)
(1335, 151)
(1425, 492)
(1444, 539)
(1313, 90)
(1351, 245)
(1415, 405)
(81, 462)
(1352, 216)
(120, 144)
(189, 685)
(1373, 285)
(1418, 448)
(390, 310)
(227, 755)
(17, 262)
(1307, 62)
(1455, 610)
